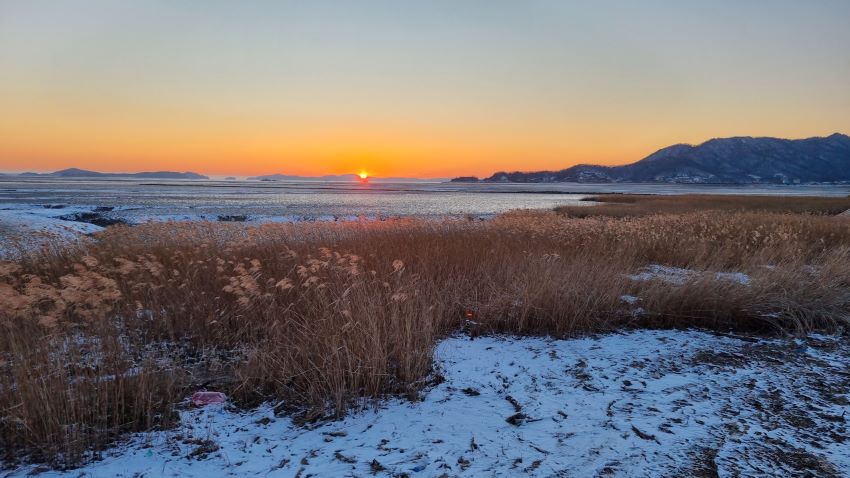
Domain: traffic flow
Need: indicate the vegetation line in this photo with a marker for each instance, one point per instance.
(108, 336)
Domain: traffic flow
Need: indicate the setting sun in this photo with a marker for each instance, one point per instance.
(363, 175)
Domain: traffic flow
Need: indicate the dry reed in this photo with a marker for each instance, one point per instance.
(623, 205)
(108, 336)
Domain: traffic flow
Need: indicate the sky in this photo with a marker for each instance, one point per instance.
(434, 88)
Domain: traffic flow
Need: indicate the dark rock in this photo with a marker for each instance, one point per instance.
(92, 218)
(233, 218)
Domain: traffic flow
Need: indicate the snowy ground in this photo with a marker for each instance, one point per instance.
(28, 226)
(24, 227)
(62, 218)
(28, 218)
(645, 403)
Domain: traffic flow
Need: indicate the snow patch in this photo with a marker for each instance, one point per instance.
(27, 227)
(643, 403)
(680, 276)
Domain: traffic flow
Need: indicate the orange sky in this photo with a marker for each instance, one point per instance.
(434, 90)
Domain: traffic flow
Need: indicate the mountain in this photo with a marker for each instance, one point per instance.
(738, 160)
(82, 173)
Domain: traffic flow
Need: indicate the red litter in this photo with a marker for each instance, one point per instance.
(202, 399)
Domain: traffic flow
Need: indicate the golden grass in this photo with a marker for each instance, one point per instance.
(110, 335)
(630, 205)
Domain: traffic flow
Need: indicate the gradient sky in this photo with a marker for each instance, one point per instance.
(408, 88)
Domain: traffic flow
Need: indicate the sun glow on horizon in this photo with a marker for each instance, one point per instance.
(363, 175)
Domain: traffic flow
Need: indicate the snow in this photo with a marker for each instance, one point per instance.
(29, 226)
(37, 217)
(142, 219)
(642, 403)
(246, 218)
(679, 276)
(738, 277)
(29, 218)
(672, 275)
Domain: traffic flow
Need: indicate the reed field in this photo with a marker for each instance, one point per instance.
(622, 205)
(109, 334)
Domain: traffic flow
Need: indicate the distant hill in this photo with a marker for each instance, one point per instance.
(465, 179)
(82, 173)
(738, 160)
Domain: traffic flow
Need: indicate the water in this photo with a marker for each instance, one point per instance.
(146, 199)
